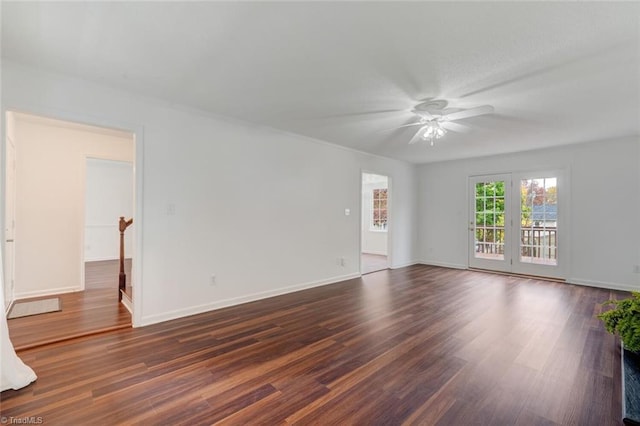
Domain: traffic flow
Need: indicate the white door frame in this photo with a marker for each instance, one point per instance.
(9, 228)
(138, 175)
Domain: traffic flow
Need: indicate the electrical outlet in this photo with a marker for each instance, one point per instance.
(636, 269)
(212, 280)
(342, 261)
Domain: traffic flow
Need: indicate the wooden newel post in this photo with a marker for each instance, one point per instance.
(124, 224)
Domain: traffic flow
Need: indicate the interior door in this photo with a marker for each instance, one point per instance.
(9, 231)
(489, 242)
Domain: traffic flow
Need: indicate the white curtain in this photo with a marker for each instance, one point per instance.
(15, 374)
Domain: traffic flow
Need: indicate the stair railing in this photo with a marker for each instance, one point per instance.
(122, 284)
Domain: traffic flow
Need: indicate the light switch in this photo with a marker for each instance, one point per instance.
(347, 212)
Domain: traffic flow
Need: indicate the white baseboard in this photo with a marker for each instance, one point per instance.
(179, 313)
(404, 265)
(377, 253)
(603, 284)
(103, 259)
(443, 264)
(8, 308)
(48, 292)
(127, 303)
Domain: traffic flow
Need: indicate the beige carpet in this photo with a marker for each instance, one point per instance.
(34, 307)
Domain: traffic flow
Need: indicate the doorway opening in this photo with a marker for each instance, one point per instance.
(69, 177)
(108, 195)
(374, 223)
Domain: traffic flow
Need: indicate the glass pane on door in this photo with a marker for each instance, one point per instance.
(539, 221)
(489, 220)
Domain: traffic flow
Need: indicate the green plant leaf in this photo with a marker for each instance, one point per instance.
(624, 320)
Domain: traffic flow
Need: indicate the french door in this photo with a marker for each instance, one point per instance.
(489, 236)
(515, 223)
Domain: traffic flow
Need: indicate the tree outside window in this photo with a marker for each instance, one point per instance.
(490, 217)
(379, 210)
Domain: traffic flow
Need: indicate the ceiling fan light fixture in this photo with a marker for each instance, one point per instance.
(433, 130)
(434, 120)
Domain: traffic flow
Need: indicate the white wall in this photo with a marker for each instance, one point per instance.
(604, 206)
(373, 242)
(261, 209)
(50, 185)
(108, 195)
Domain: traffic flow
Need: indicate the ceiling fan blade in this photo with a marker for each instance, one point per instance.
(359, 114)
(418, 135)
(455, 127)
(472, 112)
(424, 114)
(400, 127)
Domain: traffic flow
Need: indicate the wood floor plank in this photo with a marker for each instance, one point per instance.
(420, 345)
(91, 311)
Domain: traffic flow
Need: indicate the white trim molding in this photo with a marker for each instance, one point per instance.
(377, 253)
(126, 302)
(48, 292)
(603, 284)
(404, 265)
(179, 313)
(443, 264)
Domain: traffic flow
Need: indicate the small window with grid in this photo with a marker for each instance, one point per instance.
(379, 210)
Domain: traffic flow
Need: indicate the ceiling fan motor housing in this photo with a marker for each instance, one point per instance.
(432, 106)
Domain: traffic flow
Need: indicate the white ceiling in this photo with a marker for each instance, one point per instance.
(556, 73)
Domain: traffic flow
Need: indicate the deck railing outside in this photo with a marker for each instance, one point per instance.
(535, 242)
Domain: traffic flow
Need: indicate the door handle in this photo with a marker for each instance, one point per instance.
(9, 241)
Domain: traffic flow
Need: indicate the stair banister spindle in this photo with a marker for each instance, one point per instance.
(124, 224)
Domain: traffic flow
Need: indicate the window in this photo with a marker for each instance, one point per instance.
(489, 220)
(539, 220)
(379, 210)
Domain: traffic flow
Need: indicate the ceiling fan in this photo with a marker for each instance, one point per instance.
(435, 119)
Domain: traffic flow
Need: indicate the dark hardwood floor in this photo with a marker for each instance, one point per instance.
(94, 310)
(418, 345)
(373, 262)
(104, 274)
